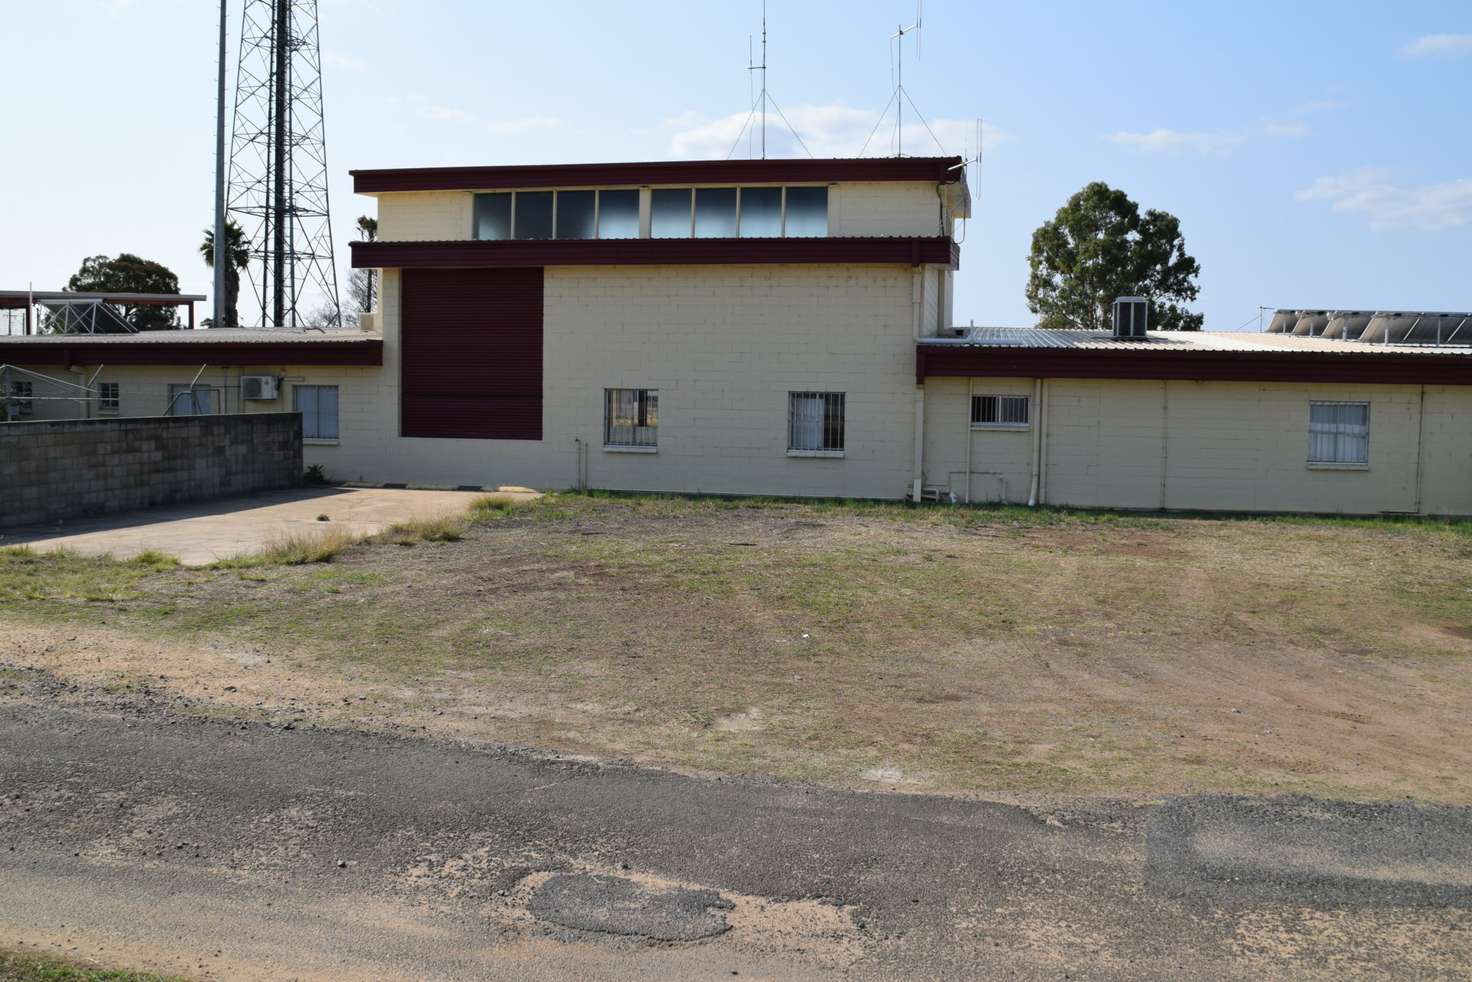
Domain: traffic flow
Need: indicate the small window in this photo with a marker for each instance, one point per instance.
(184, 401)
(1339, 433)
(999, 412)
(815, 422)
(20, 395)
(575, 217)
(109, 399)
(493, 216)
(631, 418)
(669, 213)
(533, 215)
(807, 211)
(618, 214)
(715, 213)
(318, 406)
(761, 212)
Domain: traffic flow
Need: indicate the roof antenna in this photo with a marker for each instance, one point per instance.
(898, 37)
(752, 66)
(762, 101)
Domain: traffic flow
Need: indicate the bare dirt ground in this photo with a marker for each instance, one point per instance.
(976, 653)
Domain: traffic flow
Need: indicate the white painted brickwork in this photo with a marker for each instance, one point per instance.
(1234, 446)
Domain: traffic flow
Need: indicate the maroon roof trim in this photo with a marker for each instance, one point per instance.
(80, 352)
(933, 361)
(653, 252)
(944, 170)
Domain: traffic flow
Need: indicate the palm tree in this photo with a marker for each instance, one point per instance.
(237, 252)
(368, 232)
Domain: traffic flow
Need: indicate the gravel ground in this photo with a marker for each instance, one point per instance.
(237, 850)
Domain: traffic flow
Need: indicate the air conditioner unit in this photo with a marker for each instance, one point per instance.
(1131, 318)
(258, 388)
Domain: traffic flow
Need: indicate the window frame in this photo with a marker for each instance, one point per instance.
(109, 404)
(826, 426)
(1340, 437)
(22, 394)
(647, 403)
(1000, 422)
(177, 389)
(319, 440)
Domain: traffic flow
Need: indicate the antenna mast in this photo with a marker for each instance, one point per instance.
(899, 90)
(763, 69)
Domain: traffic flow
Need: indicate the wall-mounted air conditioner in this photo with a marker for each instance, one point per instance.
(258, 388)
(1131, 318)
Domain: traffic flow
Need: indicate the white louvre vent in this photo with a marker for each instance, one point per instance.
(258, 388)
(1131, 318)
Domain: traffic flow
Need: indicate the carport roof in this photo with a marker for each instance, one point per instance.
(216, 346)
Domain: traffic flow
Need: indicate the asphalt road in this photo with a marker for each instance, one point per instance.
(226, 850)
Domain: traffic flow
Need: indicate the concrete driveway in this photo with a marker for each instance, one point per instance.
(203, 532)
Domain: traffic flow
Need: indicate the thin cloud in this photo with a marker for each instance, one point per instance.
(833, 130)
(337, 59)
(1179, 141)
(1369, 192)
(1438, 44)
(524, 125)
(446, 114)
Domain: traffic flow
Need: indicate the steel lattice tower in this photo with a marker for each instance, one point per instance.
(278, 165)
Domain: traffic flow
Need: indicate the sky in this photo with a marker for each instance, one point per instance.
(1318, 154)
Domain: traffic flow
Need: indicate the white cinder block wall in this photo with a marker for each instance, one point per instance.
(1237, 446)
(723, 345)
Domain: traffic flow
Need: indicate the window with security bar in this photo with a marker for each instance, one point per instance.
(21, 394)
(999, 412)
(109, 397)
(631, 418)
(815, 422)
(1339, 433)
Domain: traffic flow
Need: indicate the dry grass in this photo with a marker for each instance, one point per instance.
(981, 650)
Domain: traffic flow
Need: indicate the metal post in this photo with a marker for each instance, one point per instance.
(281, 40)
(221, 256)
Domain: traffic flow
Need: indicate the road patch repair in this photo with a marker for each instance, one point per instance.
(201, 533)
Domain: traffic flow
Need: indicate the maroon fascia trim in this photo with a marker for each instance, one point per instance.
(472, 254)
(944, 170)
(356, 352)
(933, 361)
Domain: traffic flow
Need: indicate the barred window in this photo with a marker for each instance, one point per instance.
(999, 411)
(631, 418)
(21, 394)
(1339, 432)
(108, 397)
(815, 421)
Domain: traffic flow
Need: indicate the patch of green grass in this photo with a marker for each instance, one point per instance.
(18, 967)
(155, 560)
(30, 576)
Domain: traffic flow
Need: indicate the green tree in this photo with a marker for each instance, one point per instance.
(1099, 247)
(127, 273)
(237, 255)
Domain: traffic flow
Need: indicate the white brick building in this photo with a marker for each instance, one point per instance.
(781, 327)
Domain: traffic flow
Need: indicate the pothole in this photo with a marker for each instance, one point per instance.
(615, 905)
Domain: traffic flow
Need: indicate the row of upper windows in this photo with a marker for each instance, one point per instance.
(673, 213)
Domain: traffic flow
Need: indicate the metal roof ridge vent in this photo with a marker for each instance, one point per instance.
(1131, 318)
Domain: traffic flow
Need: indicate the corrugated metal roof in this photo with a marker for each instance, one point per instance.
(1168, 342)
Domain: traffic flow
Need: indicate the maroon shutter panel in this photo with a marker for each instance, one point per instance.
(471, 350)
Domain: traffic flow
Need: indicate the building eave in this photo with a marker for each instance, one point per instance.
(938, 249)
(120, 350)
(940, 361)
(942, 170)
